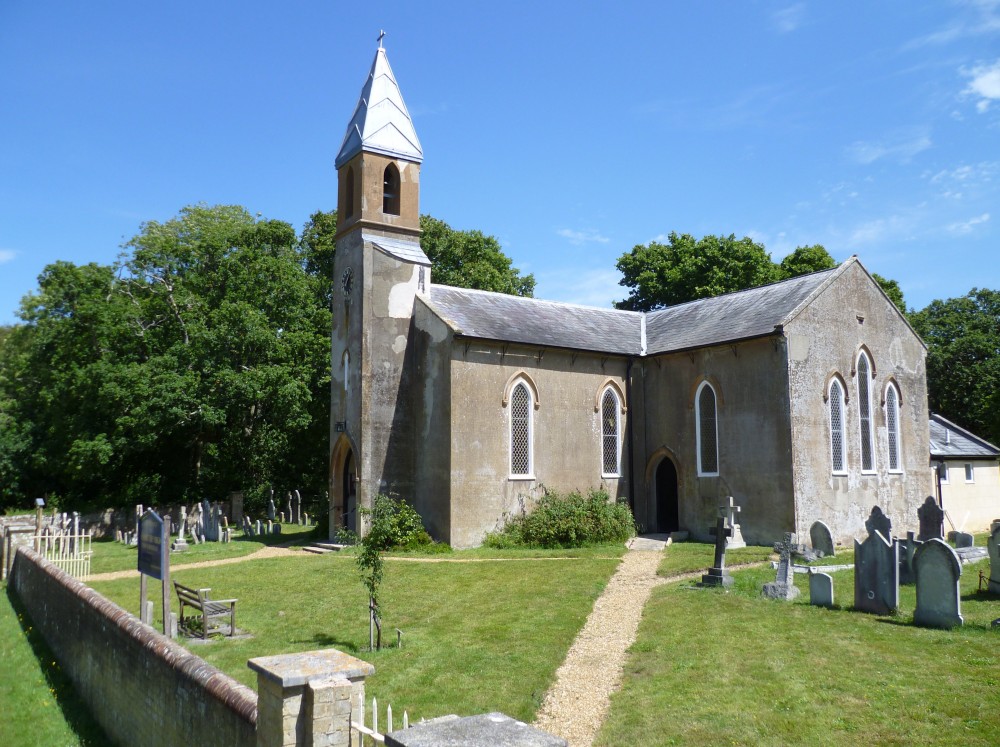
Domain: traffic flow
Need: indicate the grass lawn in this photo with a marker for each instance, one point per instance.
(114, 556)
(477, 636)
(712, 667)
(688, 557)
(40, 706)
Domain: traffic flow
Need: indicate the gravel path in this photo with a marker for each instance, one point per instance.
(577, 703)
(264, 552)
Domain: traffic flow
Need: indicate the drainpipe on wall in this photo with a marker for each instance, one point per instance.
(628, 432)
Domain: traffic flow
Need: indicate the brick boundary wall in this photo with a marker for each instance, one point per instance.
(141, 687)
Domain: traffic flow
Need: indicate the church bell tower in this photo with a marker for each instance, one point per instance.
(379, 268)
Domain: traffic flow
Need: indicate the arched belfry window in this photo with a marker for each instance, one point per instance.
(390, 190)
(521, 410)
(706, 425)
(349, 193)
(610, 434)
(867, 429)
(892, 426)
(837, 441)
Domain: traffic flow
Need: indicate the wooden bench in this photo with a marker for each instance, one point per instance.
(209, 608)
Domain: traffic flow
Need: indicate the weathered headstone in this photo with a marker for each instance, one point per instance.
(277, 529)
(257, 528)
(931, 520)
(281, 517)
(735, 540)
(270, 527)
(820, 589)
(878, 521)
(964, 539)
(938, 596)
(876, 575)
(305, 519)
(180, 544)
(291, 513)
(993, 546)
(298, 507)
(270, 507)
(822, 539)
(906, 548)
(718, 575)
(783, 586)
(199, 523)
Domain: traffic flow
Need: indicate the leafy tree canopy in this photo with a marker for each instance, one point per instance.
(963, 359)
(805, 259)
(686, 269)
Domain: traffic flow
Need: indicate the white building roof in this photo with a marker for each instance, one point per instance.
(381, 123)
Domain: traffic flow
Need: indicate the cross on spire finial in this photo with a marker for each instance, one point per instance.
(381, 35)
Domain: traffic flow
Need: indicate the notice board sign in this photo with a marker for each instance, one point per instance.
(152, 545)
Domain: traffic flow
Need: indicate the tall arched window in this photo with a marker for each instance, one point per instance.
(837, 442)
(521, 408)
(610, 430)
(390, 190)
(706, 424)
(892, 426)
(349, 193)
(865, 414)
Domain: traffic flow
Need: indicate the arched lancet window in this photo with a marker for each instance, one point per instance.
(706, 424)
(390, 190)
(837, 441)
(610, 434)
(521, 409)
(349, 193)
(865, 414)
(892, 426)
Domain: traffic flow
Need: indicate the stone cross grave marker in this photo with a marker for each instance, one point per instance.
(735, 540)
(180, 544)
(938, 572)
(876, 575)
(783, 586)
(993, 546)
(820, 589)
(931, 518)
(878, 521)
(907, 548)
(718, 575)
(822, 539)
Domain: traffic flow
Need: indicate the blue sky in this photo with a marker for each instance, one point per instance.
(571, 131)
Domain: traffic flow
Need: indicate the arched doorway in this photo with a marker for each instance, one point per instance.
(667, 497)
(350, 493)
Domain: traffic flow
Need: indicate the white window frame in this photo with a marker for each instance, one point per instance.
(894, 390)
(617, 434)
(530, 474)
(970, 472)
(843, 429)
(697, 424)
(873, 469)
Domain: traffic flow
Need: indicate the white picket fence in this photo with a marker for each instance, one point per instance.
(372, 732)
(71, 552)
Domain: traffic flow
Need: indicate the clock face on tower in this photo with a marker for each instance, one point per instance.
(347, 281)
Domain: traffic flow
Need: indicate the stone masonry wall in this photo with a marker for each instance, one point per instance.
(141, 687)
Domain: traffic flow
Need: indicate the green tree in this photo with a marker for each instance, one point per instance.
(685, 269)
(963, 359)
(805, 259)
(318, 244)
(470, 259)
(892, 290)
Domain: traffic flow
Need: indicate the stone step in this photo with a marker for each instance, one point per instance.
(316, 550)
(332, 546)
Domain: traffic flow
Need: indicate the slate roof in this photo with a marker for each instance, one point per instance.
(711, 321)
(497, 316)
(381, 122)
(950, 440)
(734, 316)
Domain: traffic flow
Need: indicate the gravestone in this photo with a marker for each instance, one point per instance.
(876, 575)
(718, 575)
(822, 539)
(993, 546)
(820, 589)
(964, 539)
(878, 521)
(906, 548)
(783, 586)
(277, 529)
(291, 515)
(270, 527)
(938, 595)
(257, 528)
(270, 507)
(305, 519)
(298, 508)
(281, 517)
(931, 520)
(180, 544)
(199, 523)
(735, 540)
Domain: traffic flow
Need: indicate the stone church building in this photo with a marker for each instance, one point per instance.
(804, 399)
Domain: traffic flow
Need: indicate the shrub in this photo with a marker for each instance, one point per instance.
(396, 525)
(571, 520)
